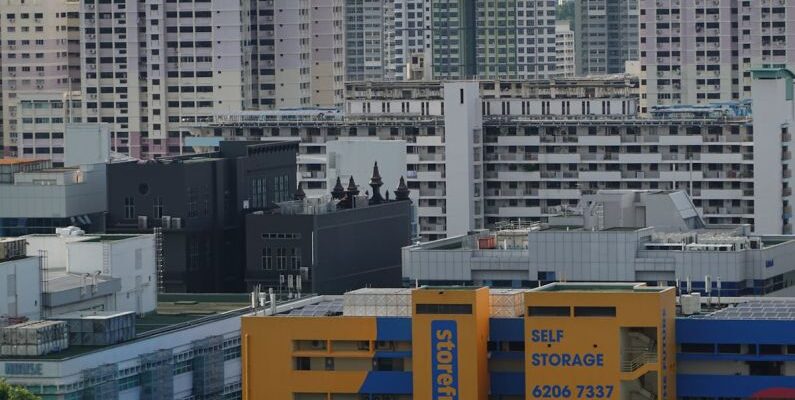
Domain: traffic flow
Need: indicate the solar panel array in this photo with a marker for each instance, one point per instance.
(325, 308)
(768, 310)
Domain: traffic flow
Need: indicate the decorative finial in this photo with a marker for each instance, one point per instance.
(339, 192)
(402, 192)
(376, 182)
(352, 187)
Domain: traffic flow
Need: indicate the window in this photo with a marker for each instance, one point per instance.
(193, 205)
(281, 189)
(158, 207)
(295, 258)
(697, 348)
(129, 208)
(549, 311)
(267, 264)
(281, 258)
(258, 193)
(444, 309)
(594, 311)
(302, 364)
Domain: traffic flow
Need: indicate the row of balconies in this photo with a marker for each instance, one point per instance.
(597, 140)
(728, 210)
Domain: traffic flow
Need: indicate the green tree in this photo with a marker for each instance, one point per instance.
(9, 392)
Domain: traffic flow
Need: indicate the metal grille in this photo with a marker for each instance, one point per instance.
(101, 383)
(157, 375)
(208, 368)
(160, 259)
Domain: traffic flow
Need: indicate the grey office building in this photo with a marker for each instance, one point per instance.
(199, 202)
(606, 35)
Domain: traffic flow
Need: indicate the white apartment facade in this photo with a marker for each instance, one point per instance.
(564, 47)
(412, 39)
(703, 51)
(40, 61)
(149, 69)
(540, 147)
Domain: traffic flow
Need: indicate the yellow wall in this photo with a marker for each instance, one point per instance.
(268, 351)
(472, 337)
(594, 336)
(270, 347)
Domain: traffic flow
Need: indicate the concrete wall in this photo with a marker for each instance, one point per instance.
(462, 125)
(86, 196)
(352, 157)
(131, 259)
(771, 111)
(20, 292)
(86, 144)
(344, 250)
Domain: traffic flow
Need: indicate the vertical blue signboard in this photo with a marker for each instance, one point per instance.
(444, 360)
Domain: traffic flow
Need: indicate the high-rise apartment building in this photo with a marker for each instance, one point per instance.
(412, 39)
(606, 33)
(704, 51)
(564, 47)
(39, 48)
(369, 40)
(539, 147)
(453, 33)
(516, 39)
(147, 68)
(150, 68)
(461, 39)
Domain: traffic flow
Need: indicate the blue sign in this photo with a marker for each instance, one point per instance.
(34, 369)
(444, 360)
(769, 263)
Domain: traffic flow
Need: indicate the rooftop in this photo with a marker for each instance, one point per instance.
(97, 315)
(60, 280)
(174, 312)
(600, 287)
(106, 238)
(769, 309)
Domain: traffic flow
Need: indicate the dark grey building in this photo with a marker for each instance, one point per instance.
(606, 35)
(336, 244)
(200, 201)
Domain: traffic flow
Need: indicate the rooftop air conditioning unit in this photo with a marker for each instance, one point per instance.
(142, 222)
(166, 222)
(176, 223)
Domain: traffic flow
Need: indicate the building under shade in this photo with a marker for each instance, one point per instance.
(332, 244)
(577, 340)
(199, 202)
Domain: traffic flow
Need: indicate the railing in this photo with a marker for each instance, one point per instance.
(634, 360)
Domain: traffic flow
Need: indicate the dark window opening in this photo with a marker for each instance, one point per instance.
(444, 309)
